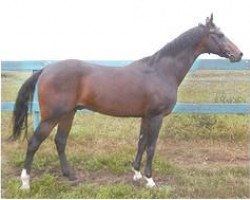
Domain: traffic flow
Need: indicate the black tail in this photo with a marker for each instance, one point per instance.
(20, 114)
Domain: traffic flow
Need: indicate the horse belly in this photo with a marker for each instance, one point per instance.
(116, 106)
(115, 100)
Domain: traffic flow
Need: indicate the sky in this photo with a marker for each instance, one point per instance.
(111, 29)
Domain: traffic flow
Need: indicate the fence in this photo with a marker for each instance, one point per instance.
(201, 108)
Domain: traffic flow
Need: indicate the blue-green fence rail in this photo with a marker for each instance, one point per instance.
(199, 108)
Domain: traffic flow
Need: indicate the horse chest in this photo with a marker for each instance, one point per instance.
(162, 101)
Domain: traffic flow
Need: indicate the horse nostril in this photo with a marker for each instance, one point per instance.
(241, 54)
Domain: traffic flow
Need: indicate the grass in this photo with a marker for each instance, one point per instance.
(197, 156)
(86, 190)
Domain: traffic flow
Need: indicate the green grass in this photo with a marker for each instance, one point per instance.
(192, 183)
(197, 156)
(86, 190)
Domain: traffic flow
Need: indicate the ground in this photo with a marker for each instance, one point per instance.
(197, 156)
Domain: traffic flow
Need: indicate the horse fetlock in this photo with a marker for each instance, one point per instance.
(25, 178)
(150, 182)
(137, 176)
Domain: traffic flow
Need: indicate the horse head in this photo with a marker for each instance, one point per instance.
(217, 43)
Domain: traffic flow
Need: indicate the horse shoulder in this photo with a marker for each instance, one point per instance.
(163, 96)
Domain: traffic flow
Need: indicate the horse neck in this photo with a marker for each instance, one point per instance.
(176, 62)
(182, 64)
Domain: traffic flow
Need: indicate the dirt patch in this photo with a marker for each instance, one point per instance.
(191, 153)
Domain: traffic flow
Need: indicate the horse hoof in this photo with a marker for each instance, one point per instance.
(70, 176)
(25, 187)
(25, 178)
(150, 183)
(137, 176)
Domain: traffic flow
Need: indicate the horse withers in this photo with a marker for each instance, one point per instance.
(146, 88)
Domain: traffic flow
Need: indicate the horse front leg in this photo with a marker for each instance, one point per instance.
(142, 142)
(153, 124)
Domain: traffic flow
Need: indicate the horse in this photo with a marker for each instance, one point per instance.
(146, 88)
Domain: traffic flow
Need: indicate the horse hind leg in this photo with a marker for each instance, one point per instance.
(41, 133)
(63, 130)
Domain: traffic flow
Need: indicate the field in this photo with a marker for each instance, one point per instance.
(197, 156)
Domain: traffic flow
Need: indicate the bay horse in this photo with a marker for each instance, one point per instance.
(146, 88)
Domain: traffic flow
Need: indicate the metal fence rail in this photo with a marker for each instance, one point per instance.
(198, 108)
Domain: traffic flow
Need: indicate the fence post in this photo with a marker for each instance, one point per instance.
(36, 108)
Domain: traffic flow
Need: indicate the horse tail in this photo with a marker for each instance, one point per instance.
(20, 113)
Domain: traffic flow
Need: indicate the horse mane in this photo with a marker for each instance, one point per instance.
(190, 39)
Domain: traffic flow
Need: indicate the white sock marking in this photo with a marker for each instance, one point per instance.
(150, 182)
(137, 176)
(25, 178)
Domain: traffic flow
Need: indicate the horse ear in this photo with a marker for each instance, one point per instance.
(209, 21)
(212, 18)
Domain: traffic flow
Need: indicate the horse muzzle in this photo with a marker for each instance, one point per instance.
(233, 57)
